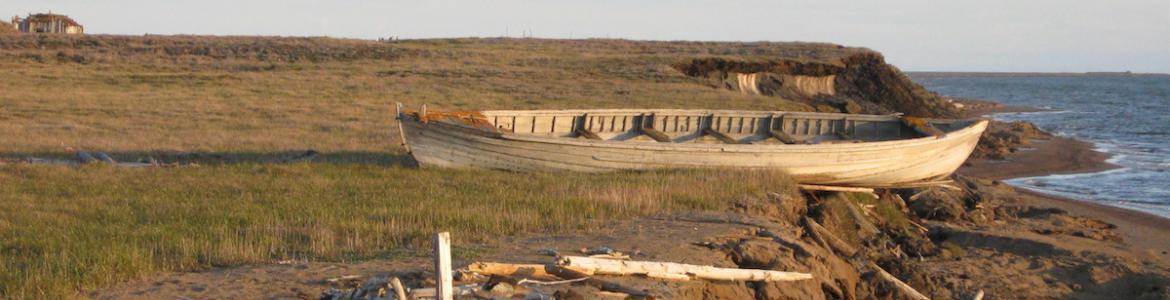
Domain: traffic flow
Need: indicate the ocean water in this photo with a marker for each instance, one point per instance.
(1126, 116)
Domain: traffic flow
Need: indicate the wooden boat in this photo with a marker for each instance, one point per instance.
(815, 148)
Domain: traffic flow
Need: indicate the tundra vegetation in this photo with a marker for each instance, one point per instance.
(228, 107)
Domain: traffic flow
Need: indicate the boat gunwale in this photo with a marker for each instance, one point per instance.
(707, 112)
(755, 148)
(975, 125)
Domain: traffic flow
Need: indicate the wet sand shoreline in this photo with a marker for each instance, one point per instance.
(1058, 156)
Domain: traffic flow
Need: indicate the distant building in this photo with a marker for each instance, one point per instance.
(47, 23)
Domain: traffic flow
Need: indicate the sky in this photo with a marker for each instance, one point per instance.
(915, 35)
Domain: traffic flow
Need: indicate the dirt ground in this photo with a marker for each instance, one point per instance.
(660, 239)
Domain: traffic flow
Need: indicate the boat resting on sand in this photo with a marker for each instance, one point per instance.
(815, 148)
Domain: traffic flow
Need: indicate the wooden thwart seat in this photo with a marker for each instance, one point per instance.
(647, 128)
(785, 138)
(655, 134)
(776, 125)
(720, 136)
(582, 132)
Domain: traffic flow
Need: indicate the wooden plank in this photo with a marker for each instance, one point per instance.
(782, 124)
(655, 134)
(444, 283)
(911, 185)
(401, 131)
(399, 290)
(825, 236)
(830, 188)
(906, 288)
(511, 270)
(776, 130)
(720, 136)
(570, 273)
(673, 270)
(713, 129)
(785, 138)
(582, 132)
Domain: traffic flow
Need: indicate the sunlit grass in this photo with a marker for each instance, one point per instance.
(165, 94)
(68, 229)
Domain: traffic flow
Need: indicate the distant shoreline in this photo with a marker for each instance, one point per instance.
(928, 74)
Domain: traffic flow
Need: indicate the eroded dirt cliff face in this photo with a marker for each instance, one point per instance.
(859, 83)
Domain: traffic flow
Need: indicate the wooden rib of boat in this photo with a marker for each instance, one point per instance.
(815, 148)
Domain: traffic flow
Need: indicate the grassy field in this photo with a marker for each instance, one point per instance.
(201, 94)
(69, 229)
(235, 103)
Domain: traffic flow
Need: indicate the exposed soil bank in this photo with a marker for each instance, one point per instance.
(859, 83)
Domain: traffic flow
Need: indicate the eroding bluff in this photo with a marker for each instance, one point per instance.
(858, 83)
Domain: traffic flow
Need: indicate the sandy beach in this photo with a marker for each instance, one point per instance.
(1055, 155)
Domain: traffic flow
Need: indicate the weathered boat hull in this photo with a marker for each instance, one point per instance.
(437, 144)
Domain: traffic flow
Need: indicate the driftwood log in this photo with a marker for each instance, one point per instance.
(668, 270)
(830, 188)
(905, 288)
(537, 271)
(822, 235)
(399, 290)
(978, 295)
(572, 274)
(865, 227)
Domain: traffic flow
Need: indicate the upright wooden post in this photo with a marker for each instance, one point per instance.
(401, 130)
(422, 114)
(443, 281)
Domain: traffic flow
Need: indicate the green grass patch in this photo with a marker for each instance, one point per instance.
(64, 229)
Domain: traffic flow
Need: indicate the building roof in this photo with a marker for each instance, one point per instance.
(52, 17)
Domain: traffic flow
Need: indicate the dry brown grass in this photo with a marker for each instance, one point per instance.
(124, 94)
